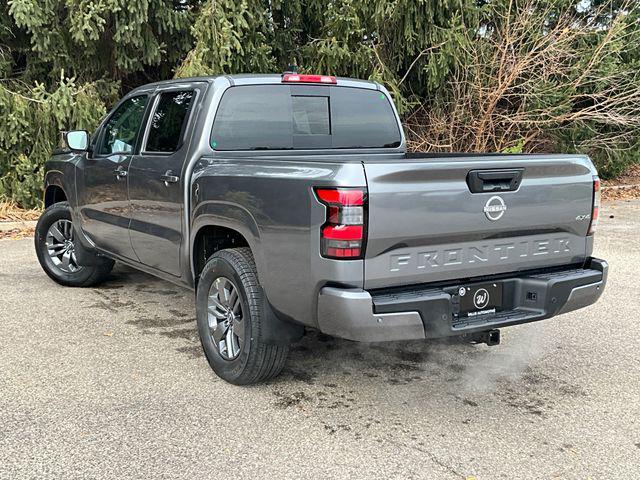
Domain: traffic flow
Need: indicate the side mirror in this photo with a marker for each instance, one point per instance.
(77, 140)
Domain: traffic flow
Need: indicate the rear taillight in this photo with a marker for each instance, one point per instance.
(342, 235)
(596, 205)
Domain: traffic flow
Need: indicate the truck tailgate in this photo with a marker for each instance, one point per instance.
(426, 225)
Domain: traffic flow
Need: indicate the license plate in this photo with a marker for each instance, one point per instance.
(480, 299)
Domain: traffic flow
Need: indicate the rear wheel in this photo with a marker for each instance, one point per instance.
(55, 244)
(229, 306)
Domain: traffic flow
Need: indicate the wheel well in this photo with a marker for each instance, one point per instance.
(209, 240)
(54, 194)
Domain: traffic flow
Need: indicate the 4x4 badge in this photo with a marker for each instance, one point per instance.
(494, 208)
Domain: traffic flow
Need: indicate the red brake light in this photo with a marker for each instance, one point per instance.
(595, 205)
(340, 196)
(342, 232)
(342, 235)
(298, 78)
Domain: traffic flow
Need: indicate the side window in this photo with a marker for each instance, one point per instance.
(168, 121)
(121, 130)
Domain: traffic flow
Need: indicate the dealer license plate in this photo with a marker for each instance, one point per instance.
(480, 299)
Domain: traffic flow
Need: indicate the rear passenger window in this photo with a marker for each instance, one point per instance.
(169, 121)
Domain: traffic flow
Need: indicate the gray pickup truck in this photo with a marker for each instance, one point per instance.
(289, 202)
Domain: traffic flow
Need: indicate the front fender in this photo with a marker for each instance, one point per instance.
(60, 171)
(57, 178)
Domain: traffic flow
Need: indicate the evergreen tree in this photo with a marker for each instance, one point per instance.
(460, 75)
(62, 62)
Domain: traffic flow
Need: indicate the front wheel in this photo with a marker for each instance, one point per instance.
(56, 250)
(229, 306)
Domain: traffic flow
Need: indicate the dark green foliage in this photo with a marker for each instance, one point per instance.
(63, 62)
(32, 119)
(453, 67)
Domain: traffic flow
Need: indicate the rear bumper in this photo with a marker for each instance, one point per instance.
(432, 312)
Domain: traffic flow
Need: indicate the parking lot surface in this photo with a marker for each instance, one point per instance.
(110, 382)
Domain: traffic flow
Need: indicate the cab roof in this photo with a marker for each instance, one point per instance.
(252, 79)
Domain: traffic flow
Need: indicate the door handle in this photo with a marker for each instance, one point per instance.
(120, 173)
(169, 177)
(482, 181)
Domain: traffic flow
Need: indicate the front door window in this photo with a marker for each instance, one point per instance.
(123, 127)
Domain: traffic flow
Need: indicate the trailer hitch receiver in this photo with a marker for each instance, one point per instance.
(488, 337)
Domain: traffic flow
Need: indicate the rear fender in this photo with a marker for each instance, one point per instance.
(276, 330)
(227, 215)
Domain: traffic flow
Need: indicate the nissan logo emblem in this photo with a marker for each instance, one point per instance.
(494, 208)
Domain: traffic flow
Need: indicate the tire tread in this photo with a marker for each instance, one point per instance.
(96, 273)
(265, 361)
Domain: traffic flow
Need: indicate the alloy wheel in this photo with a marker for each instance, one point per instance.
(61, 247)
(225, 318)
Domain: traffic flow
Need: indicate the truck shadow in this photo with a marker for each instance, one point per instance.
(152, 305)
(161, 308)
(325, 372)
(157, 307)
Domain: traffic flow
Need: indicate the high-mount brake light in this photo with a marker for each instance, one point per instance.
(595, 210)
(300, 78)
(342, 235)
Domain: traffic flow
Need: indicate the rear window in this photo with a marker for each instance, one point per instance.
(282, 117)
(310, 115)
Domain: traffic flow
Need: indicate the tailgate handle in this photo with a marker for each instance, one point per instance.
(481, 181)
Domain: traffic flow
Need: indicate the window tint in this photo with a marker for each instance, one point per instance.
(253, 117)
(121, 130)
(362, 118)
(261, 117)
(168, 121)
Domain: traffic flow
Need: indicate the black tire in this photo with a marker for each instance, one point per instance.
(256, 360)
(82, 276)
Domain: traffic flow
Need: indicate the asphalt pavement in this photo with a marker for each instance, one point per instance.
(110, 382)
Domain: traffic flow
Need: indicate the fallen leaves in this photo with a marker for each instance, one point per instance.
(17, 233)
(16, 222)
(621, 192)
(10, 212)
(625, 187)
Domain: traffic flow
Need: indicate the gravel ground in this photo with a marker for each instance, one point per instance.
(110, 382)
